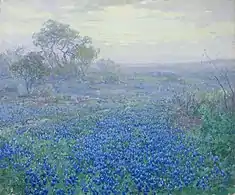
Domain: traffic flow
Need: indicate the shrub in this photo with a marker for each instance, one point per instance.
(218, 127)
(111, 78)
(216, 132)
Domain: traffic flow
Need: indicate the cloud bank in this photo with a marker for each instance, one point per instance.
(131, 30)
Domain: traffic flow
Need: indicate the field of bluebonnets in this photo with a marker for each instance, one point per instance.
(124, 150)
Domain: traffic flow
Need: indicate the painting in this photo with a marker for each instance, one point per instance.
(121, 97)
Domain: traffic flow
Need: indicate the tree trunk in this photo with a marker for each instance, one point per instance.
(27, 87)
(28, 84)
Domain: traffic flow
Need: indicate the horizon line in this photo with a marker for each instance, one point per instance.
(176, 62)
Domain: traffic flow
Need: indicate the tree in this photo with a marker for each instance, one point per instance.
(13, 55)
(30, 68)
(110, 70)
(63, 46)
(107, 65)
(83, 58)
(8, 57)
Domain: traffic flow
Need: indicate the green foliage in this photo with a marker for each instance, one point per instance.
(63, 46)
(11, 185)
(216, 133)
(84, 56)
(30, 68)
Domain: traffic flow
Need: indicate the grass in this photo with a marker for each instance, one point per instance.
(127, 144)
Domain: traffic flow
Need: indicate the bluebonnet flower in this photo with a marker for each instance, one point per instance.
(124, 149)
(60, 192)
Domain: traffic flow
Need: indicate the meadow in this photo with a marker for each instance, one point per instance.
(134, 137)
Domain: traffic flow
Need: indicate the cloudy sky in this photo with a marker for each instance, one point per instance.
(131, 30)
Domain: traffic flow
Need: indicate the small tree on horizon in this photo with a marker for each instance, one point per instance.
(110, 70)
(30, 68)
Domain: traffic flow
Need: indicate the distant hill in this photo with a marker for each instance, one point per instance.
(179, 67)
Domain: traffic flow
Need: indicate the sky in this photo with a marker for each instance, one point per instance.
(130, 31)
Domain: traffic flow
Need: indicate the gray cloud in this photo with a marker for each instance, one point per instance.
(147, 30)
(90, 5)
(221, 9)
(195, 10)
(199, 12)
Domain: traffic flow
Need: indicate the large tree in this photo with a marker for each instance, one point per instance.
(63, 46)
(30, 68)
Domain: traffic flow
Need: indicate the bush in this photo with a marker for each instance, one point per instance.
(216, 133)
(218, 127)
(111, 78)
(45, 90)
